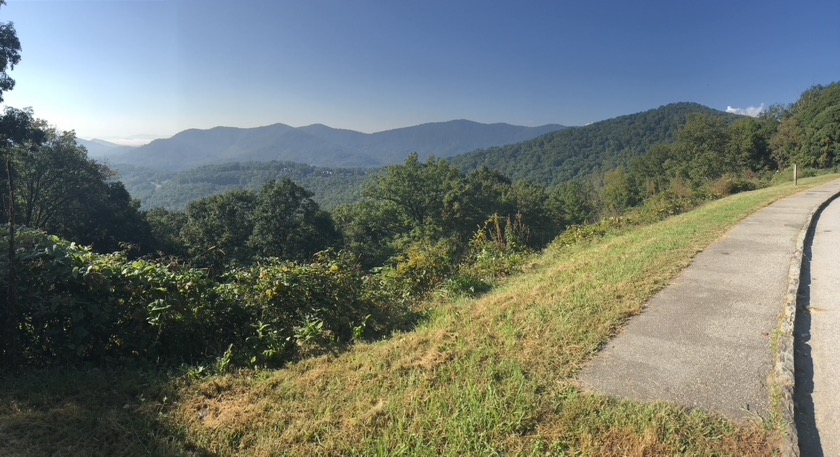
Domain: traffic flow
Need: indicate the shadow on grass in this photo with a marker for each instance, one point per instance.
(96, 411)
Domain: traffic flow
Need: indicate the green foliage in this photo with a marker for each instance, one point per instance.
(370, 230)
(577, 154)
(572, 203)
(80, 306)
(288, 224)
(416, 190)
(76, 305)
(619, 192)
(701, 150)
(297, 310)
(9, 54)
(497, 248)
(165, 227)
(750, 144)
(218, 228)
(174, 191)
(809, 134)
(730, 184)
(60, 190)
(422, 266)
(433, 201)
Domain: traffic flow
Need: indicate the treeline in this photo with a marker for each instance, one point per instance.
(264, 277)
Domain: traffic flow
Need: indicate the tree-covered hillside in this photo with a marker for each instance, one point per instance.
(578, 153)
(331, 187)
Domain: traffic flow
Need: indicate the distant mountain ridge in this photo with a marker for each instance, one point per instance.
(101, 149)
(317, 145)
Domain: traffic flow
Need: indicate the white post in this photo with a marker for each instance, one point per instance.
(795, 176)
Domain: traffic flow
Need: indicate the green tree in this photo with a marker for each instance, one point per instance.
(166, 229)
(62, 191)
(18, 134)
(289, 225)
(572, 204)
(786, 142)
(528, 205)
(416, 190)
(474, 198)
(702, 149)
(749, 144)
(369, 230)
(809, 134)
(218, 228)
(653, 171)
(618, 193)
(9, 54)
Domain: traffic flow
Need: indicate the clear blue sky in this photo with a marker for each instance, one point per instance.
(116, 68)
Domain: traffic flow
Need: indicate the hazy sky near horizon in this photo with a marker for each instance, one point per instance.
(114, 69)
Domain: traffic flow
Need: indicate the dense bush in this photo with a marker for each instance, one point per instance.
(294, 310)
(79, 306)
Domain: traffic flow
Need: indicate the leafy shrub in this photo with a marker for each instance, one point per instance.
(80, 306)
(422, 266)
(467, 285)
(76, 305)
(298, 310)
(730, 184)
(496, 249)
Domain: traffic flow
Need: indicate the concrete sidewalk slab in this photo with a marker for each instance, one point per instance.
(705, 341)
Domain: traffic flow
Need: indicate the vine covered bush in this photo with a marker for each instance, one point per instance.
(79, 306)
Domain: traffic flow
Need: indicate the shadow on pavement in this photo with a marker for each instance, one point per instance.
(806, 426)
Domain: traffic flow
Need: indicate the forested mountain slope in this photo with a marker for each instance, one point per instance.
(577, 153)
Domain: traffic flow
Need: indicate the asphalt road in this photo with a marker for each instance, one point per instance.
(705, 341)
(818, 341)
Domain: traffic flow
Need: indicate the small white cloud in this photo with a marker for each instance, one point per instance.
(752, 111)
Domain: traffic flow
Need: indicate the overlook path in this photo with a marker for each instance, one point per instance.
(705, 341)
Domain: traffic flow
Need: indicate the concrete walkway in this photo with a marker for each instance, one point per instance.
(817, 338)
(705, 340)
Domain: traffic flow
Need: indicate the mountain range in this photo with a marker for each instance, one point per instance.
(574, 153)
(316, 144)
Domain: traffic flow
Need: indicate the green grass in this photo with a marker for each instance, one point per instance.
(487, 376)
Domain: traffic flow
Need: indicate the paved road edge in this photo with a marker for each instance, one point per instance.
(784, 376)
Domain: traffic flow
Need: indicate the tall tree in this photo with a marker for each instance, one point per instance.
(749, 143)
(9, 54)
(18, 135)
(417, 190)
(62, 191)
(702, 149)
(288, 224)
(10, 132)
(218, 227)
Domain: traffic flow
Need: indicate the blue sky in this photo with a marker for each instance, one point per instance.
(114, 69)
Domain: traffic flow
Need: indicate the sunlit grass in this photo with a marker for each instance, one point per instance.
(487, 376)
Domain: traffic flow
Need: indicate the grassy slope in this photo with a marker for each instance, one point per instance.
(494, 375)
